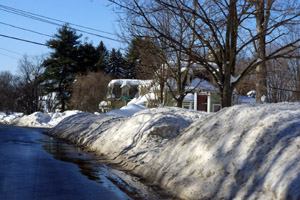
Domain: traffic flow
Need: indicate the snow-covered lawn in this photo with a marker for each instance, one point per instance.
(241, 152)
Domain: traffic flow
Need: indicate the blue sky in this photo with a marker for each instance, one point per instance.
(90, 13)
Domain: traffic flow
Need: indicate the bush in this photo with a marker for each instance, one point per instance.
(89, 90)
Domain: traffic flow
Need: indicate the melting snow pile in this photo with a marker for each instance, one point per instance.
(145, 131)
(241, 152)
(10, 119)
(37, 119)
(48, 120)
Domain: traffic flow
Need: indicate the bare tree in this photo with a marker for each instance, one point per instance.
(150, 64)
(269, 16)
(170, 65)
(293, 65)
(9, 93)
(30, 70)
(279, 81)
(283, 77)
(223, 30)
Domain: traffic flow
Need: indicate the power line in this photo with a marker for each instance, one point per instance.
(25, 29)
(56, 24)
(29, 41)
(11, 51)
(53, 19)
(9, 56)
(38, 18)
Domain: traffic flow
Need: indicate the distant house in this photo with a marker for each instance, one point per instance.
(121, 91)
(202, 95)
(205, 97)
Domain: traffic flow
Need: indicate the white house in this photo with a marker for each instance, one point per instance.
(205, 96)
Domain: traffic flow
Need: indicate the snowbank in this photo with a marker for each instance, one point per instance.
(241, 152)
(155, 126)
(37, 119)
(46, 120)
(49, 120)
(10, 119)
(127, 110)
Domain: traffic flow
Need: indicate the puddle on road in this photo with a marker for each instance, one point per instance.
(94, 170)
(65, 152)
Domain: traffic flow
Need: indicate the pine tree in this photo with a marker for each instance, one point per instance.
(132, 58)
(62, 65)
(88, 58)
(103, 56)
(116, 64)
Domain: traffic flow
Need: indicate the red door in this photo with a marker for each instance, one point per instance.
(202, 102)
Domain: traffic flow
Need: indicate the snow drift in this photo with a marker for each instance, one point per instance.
(10, 119)
(49, 120)
(241, 152)
(113, 136)
(46, 120)
(36, 119)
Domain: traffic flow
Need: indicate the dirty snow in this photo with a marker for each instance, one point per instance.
(243, 152)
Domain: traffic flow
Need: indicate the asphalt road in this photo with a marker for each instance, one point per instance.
(35, 166)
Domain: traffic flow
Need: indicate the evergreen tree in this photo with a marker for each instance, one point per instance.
(103, 56)
(88, 57)
(116, 64)
(62, 65)
(132, 58)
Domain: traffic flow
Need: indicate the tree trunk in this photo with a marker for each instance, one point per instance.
(261, 69)
(262, 20)
(261, 84)
(161, 90)
(180, 101)
(226, 96)
(63, 105)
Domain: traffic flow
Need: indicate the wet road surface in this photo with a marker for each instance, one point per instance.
(35, 166)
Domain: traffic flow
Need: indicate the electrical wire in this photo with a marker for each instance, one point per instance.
(53, 19)
(25, 29)
(9, 56)
(24, 40)
(38, 18)
(11, 51)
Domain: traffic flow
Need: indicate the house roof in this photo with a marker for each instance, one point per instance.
(189, 97)
(199, 84)
(129, 82)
